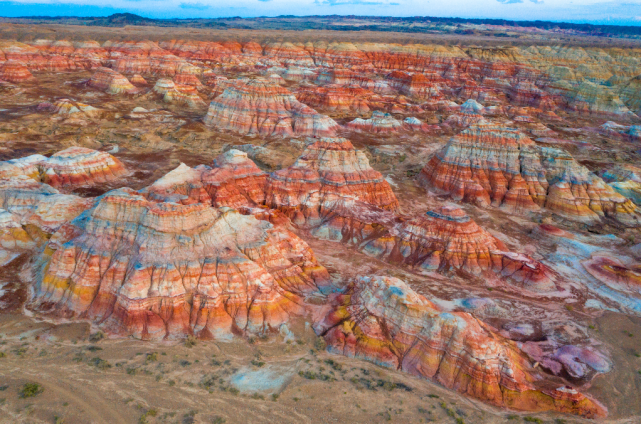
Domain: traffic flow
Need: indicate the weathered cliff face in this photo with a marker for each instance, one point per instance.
(446, 238)
(488, 164)
(164, 270)
(383, 320)
(262, 107)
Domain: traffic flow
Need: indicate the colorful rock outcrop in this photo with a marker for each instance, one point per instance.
(112, 82)
(381, 319)
(173, 270)
(264, 108)
(488, 164)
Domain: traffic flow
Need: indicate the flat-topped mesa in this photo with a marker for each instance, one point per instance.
(265, 108)
(381, 319)
(446, 238)
(233, 181)
(112, 82)
(328, 174)
(15, 71)
(160, 271)
(488, 164)
(79, 166)
(379, 123)
(336, 98)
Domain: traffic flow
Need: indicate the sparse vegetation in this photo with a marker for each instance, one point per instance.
(190, 341)
(533, 420)
(96, 337)
(30, 390)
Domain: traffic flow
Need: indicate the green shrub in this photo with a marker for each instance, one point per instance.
(31, 390)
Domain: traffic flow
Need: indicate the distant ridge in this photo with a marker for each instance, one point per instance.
(417, 24)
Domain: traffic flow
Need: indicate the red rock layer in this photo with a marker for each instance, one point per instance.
(14, 71)
(163, 271)
(262, 107)
(384, 321)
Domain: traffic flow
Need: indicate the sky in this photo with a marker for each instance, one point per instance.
(615, 12)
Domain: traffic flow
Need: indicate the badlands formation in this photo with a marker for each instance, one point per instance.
(463, 218)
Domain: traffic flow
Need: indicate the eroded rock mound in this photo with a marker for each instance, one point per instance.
(488, 164)
(112, 82)
(328, 174)
(15, 71)
(164, 270)
(79, 166)
(384, 321)
(446, 238)
(265, 108)
(234, 181)
(379, 122)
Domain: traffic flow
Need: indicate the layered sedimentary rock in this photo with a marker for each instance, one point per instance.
(233, 181)
(383, 320)
(615, 274)
(592, 98)
(328, 175)
(379, 122)
(163, 270)
(112, 82)
(470, 113)
(79, 166)
(336, 98)
(179, 94)
(13, 238)
(488, 164)
(15, 71)
(626, 180)
(446, 238)
(38, 204)
(69, 168)
(417, 85)
(138, 81)
(67, 107)
(262, 107)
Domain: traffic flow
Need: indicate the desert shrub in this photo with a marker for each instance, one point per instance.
(31, 390)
